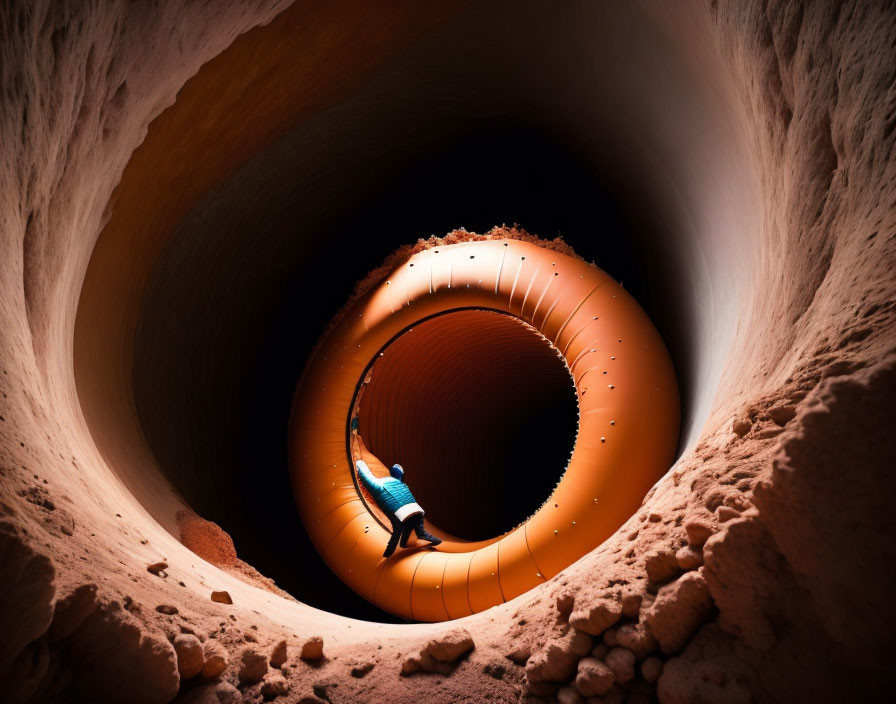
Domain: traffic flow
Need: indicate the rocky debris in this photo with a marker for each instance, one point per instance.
(741, 426)
(568, 695)
(622, 662)
(580, 643)
(190, 656)
(441, 654)
(71, 610)
(158, 569)
(599, 650)
(609, 638)
(661, 566)
(596, 617)
(651, 669)
(679, 609)
(594, 677)
(221, 597)
(215, 659)
(167, 609)
(698, 531)
(637, 639)
(519, 653)
(313, 648)
(274, 685)
(565, 602)
(709, 671)
(278, 654)
(252, 666)
(726, 513)
(112, 640)
(556, 661)
(689, 558)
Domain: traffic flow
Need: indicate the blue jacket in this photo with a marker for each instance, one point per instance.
(389, 493)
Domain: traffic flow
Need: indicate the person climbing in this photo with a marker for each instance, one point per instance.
(395, 499)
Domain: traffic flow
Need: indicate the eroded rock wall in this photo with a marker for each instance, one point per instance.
(759, 568)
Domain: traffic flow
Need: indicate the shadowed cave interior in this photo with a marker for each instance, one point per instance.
(260, 265)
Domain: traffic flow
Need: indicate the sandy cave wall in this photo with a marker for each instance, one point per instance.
(812, 95)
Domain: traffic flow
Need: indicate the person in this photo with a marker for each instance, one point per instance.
(395, 499)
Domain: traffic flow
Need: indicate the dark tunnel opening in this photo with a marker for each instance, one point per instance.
(265, 259)
(218, 422)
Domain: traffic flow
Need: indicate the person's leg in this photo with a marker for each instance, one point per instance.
(407, 527)
(397, 528)
(420, 530)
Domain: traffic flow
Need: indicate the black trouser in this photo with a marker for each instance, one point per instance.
(401, 531)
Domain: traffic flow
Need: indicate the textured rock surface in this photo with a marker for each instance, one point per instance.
(784, 481)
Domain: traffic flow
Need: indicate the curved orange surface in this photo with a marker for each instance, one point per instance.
(628, 425)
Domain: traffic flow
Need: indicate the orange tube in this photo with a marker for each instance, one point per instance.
(628, 425)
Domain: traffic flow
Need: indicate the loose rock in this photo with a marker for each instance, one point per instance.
(678, 611)
(610, 638)
(698, 530)
(636, 638)
(741, 426)
(189, 653)
(689, 558)
(274, 685)
(726, 513)
(278, 654)
(568, 695)
(594, 677)
(440, 654)
(651, 669)
(661, 566)
(222, 597)
(596, 617)
(599, 650)
(313, 648)
(158, 569)
(166, 609)
(253, 666)
(448, 647)
(622, 662)
(215, 659)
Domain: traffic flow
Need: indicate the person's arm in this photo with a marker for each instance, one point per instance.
(366, 476)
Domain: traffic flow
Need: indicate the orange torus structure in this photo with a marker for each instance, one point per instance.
(629, 418)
